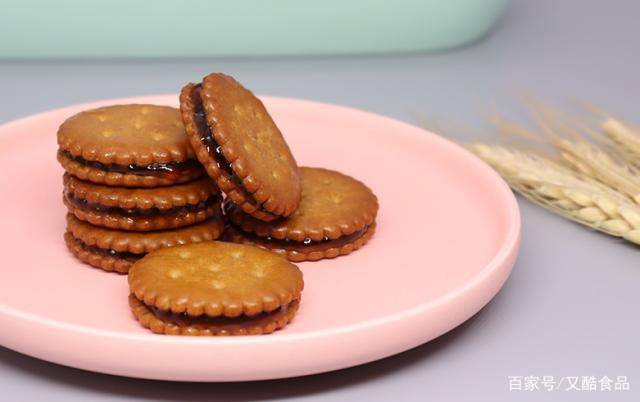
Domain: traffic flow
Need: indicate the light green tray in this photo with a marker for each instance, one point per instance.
(161, 28)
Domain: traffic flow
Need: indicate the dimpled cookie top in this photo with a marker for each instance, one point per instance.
(126, 134)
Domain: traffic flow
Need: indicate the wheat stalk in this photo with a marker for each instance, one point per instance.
(569, 138)
(590, 160)
(564, 191)
(625, 139)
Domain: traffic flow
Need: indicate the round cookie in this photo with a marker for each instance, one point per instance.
(117, 250)
(128, 145)
(336, 216)
(214, 288)
(141, 209)
(240, 147)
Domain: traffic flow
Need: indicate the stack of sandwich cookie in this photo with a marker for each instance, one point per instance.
(214, 288)
(145, 187)
(240, 147)
(129, 169)
(336, 216)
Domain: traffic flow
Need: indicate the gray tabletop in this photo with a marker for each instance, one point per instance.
(570, 308)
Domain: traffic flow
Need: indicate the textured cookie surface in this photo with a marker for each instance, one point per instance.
(215, 279)
(143, 242)
(141, 209)
(332, 205)
(305, 251)
(179, 324)
(248, 143)
(126, 134)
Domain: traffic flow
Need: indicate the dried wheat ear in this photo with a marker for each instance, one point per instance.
(589, 176)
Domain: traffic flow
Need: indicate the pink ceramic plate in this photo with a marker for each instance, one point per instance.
(447, 237)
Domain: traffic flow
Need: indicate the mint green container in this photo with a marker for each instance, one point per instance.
(199, 28)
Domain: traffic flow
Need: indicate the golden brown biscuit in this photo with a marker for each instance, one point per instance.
(117, 250)
(240, 146)
(336, 216)
(127, 145)
(214, 288)
(142, 209)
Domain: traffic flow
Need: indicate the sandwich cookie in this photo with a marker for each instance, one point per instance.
(128, 145)
(240, 147)
(117, 250)
(142, 209)
(214, 288)
(336, 216)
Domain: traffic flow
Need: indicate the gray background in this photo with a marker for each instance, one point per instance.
(570, 307)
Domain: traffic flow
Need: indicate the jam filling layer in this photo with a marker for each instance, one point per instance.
(123, 255)
(183, 319)
(171, 171)
(306, 245)
(136, 212)
(215, 150)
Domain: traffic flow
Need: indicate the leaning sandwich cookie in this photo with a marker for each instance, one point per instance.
(240, 147)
